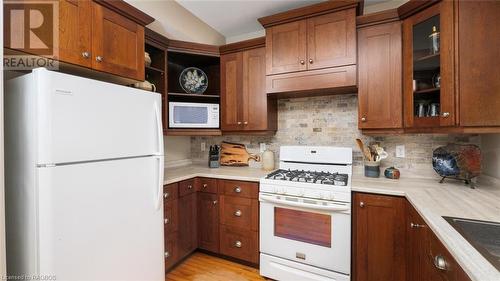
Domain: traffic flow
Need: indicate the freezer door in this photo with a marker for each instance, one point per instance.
(80, 119)
(102, 220)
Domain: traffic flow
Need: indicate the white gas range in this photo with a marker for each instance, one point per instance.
(305, 215)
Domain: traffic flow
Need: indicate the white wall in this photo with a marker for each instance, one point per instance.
(490, 146)
(175, 22)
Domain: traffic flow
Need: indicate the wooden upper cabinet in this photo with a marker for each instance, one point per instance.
(286, 47)
(75, 32)
(331, 39)
(231, 67)
(429, 79)
(379, 78)
(379, 238)
(478, 57)
(118, 44)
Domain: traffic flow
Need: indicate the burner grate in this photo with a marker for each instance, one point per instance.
(309, 177)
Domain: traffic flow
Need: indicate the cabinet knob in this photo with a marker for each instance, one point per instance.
(98, 59)
(237, 189)
(165, 195)
(237, 244)
(302, 62)
(205, 186)
(440, 263)
(310, 61)
(363, 119)
(362, 204)
(246, 122)
(446, 114)
(165, 221)
(239, 122)
(214, 202)
(86, 55)
(167, 255)
(190, 187)
(237, 213)
(416, 225)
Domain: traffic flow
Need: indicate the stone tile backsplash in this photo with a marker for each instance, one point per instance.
(332, 121)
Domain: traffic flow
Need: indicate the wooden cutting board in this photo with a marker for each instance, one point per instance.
(235, 154)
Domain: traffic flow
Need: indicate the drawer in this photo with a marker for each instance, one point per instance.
(170, 253)
(207, 185)
(170, 191)
(170, 216)
(239, 188)
(239, 243)
(186, 187)
(239, 212)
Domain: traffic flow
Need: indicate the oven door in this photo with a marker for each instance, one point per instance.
(310, 231)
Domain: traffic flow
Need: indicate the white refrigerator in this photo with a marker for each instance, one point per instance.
(84, 178)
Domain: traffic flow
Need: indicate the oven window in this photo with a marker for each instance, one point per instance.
(312, 228)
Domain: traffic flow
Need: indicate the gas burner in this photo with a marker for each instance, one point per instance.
(309, 177)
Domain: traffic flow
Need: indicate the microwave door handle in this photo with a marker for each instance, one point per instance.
(159, 131)
(271, 199)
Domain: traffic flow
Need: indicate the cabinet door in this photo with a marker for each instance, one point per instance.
(379, 238)
(286, 47)
(380, 90)
(208, 222)
(75, 29)
(117, 44)
(231, 91)
(419, 267)
(331, 40)
(254, 90)
(188, 236)
(428, 70)
(478, 56)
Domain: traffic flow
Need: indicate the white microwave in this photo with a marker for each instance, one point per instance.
(193, 115)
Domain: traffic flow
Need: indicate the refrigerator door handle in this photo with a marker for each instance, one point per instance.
(159, 130)
(159, 185)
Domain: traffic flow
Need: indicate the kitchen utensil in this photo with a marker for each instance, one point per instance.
(213, 156)
(145, 85)
(235, 154)
(381, 153)
(372, 169)
(268, 160)
(364, 150)
(392, 173)
(462, 162)
(193, 80)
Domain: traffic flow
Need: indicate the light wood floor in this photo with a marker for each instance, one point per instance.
(203, 267)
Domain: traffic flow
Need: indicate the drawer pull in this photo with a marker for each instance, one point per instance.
(86, 55)
(167, 255)
(237, 244)
(98, 59)
(237, 189)
(416, 225)
(190, 187)
(166, 195)
(205, 186)
(440, 263)
(165, 221)
(237, 213)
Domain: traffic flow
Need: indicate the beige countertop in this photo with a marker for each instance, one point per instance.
(431, 199)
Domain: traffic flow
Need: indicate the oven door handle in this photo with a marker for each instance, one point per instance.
(272, 199)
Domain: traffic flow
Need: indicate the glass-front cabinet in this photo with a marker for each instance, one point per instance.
(428, 54)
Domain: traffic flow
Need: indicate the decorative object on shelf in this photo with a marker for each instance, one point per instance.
(372, 169)
(434, 41)
(392, 173)
(145, 85)
(147, 59)
(235, 154)
(268, 160)
(436, 80)
(213, 156)
(457, 161)
(193, 80)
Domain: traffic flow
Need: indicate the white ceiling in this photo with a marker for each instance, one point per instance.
(237, 17)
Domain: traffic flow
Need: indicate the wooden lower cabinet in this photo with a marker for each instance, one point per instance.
(208, 222)
(239, 243)
(379, 238)
(391, 241)
(188, 235)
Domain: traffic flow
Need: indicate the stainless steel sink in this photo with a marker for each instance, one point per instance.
(482, 235)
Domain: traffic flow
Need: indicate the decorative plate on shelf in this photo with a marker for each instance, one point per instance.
(193, 80)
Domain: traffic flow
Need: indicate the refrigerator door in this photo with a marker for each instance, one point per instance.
(80, 119)
(102, 220)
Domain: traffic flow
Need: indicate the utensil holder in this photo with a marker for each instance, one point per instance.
(372, 169)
